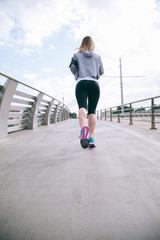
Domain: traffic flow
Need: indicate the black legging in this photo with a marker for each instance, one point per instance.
(88, 90)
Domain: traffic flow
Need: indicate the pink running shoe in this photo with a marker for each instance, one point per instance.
(84, 134)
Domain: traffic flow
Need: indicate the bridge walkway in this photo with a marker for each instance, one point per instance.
(52, 189)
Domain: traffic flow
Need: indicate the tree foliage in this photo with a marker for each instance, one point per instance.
(73, 115)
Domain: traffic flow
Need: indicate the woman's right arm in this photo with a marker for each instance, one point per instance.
(101, 68)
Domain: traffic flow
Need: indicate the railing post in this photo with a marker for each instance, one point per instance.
(101, 115)
(97, 115)
(130, 115)
(66, 114)
(46, 120)
(105, 114)
(60, 114)
(118, 116)
(110, 114)
(32, 119)
(6, 96)
(55, 113)
(63, 113)
(152, 115)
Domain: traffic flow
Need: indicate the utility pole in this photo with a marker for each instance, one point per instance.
(63, 98)
(121, 87)
(121, 83)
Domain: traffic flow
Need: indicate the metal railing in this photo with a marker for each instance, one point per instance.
(147, 113)
(23, 109)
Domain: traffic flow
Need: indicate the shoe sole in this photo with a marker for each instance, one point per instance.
(84, 140)
(84, 143)
(91, 145)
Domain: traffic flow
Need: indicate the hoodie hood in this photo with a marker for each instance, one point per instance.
(87, 53)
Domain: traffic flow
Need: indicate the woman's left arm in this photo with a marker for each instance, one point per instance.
(73, 65)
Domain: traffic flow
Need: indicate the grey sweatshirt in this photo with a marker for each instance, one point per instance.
(86, 65)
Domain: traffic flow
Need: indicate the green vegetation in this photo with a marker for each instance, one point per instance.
(73, 115)
(126, 109)
(142, 109)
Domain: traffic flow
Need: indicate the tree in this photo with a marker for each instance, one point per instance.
(126, 109)
(142, 109)
(73, 115)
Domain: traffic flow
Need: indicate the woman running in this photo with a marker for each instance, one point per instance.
(87, 67)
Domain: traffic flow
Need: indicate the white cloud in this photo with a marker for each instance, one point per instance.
(47, 70)
(116, 26)
(26, 51)
(126, 29)
(31, 23)
(31, 76)
(2, 43)
(51, 45)
(120, 28)
(101, 4)
(3, 65)
(6, 24)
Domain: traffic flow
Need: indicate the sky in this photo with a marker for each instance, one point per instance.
(39, 37)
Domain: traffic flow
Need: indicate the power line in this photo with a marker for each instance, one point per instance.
(123, 76)
(121, 82)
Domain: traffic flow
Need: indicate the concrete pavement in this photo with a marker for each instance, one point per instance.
(52, 189)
